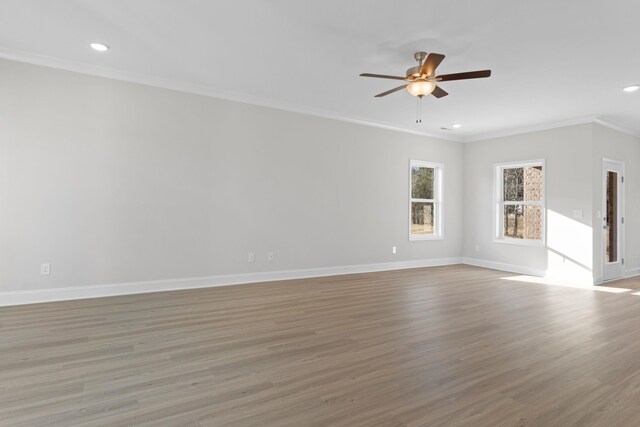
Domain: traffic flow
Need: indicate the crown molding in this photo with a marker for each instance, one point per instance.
(611, 125)
(531, 129)
(148, 80)
(552, 125)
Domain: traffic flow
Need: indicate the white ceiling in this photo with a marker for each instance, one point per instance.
(552, 61)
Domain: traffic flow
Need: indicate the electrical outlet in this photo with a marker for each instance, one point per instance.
(45, 269)
(252, 257)
(394, 250)
(269, 256)
(477, 248)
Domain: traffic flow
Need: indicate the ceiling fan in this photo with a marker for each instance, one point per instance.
(422, 80)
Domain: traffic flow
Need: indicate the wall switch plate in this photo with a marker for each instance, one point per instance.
(252, 257)
(269, 256)
(394, 250)
(477, 248)
(45, 269)
(577, 214)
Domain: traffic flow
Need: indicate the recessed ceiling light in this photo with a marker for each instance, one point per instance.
(100, 47)
(456, 125)
(631, 88)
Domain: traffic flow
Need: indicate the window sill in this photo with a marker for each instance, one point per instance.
(418, 237)
(520, 242)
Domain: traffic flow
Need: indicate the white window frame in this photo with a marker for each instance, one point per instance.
(437, 200)
(499, 204)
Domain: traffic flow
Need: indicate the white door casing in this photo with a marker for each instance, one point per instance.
(612, 224)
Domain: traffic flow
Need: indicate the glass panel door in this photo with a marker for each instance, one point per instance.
(612, 220)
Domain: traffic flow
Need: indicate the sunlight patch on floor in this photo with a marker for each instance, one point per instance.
(550, 282)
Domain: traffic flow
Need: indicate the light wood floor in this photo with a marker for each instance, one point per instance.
(445, 346)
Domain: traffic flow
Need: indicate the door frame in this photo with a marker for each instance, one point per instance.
(621, 227)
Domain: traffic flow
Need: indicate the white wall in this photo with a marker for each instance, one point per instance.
(115, 182)
(568, 161)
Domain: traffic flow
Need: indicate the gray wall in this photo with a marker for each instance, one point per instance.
(614, 145)
(573, 157)
(568, 175)
(115, 182)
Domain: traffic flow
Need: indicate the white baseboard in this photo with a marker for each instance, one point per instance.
(96, 291)
(631, 272)
(512, 268)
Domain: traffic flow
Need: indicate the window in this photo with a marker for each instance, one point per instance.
(425, 200)
(520, 202)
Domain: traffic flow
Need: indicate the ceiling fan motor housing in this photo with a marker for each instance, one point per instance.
(414, 71)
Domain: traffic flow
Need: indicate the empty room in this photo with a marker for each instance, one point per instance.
(334, 213)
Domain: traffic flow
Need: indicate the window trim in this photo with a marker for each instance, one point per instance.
(438, 201)
(498, 202)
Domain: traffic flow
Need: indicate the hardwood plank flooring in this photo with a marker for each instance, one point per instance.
(443, 346)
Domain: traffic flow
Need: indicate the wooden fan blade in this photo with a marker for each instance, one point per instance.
(438, 92)
(395, 89)
(382, 76)
(431, 63)
(464, 76)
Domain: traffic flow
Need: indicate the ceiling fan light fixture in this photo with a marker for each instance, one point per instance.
(421, 88)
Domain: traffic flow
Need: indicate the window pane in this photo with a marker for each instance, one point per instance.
(513, 184)
(611, 232)
(422, 182)
(422, 220)
(532, 183)
(522, 184)
(523, 222)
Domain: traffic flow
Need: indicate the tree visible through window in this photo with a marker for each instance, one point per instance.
(521, 200)
(425, 205)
